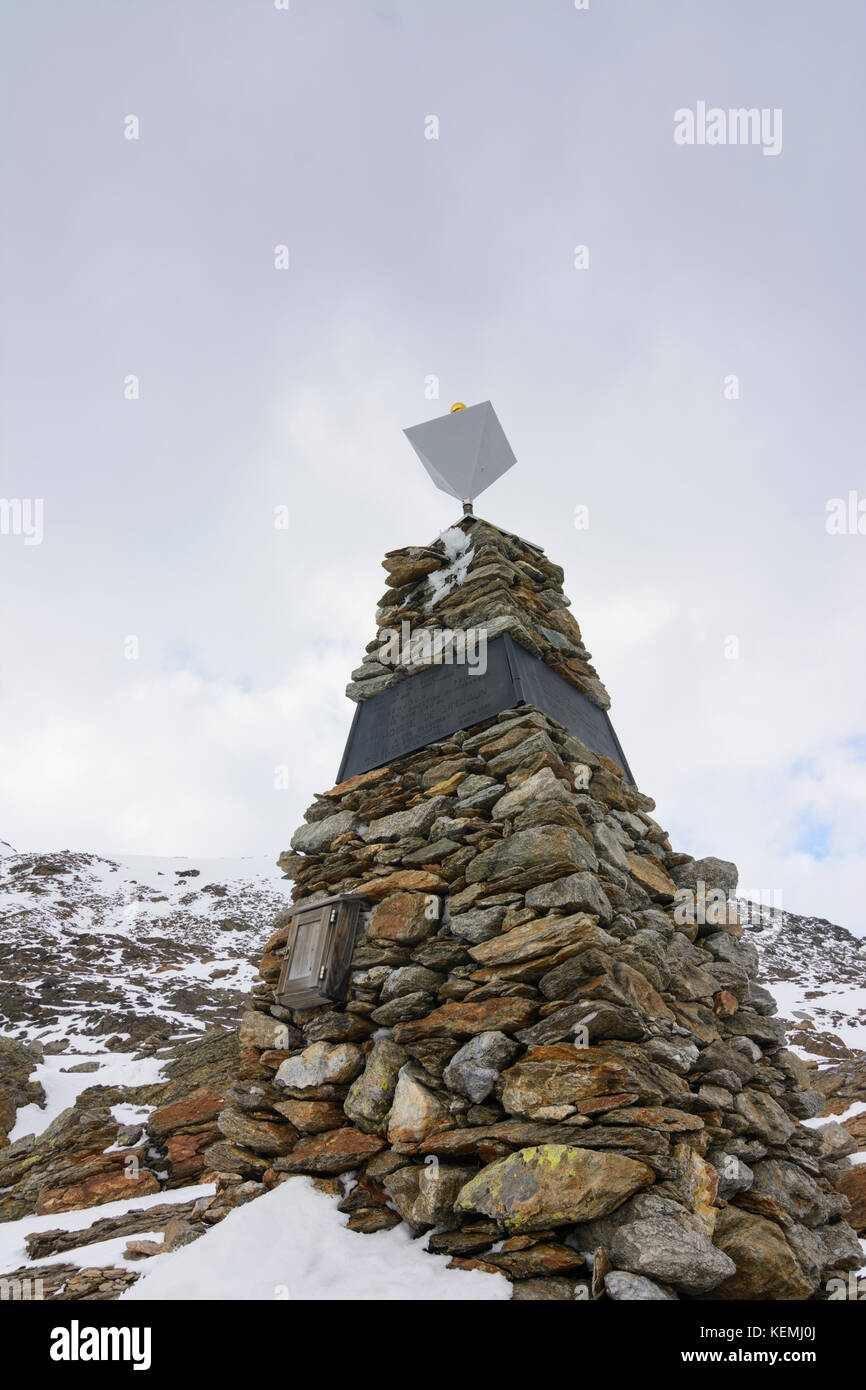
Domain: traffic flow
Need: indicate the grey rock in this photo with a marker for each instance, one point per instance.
(416, 821)
(766, 1031)
(663, 1247)
(714, 1098)
(476, 782)
(725, 1077)
(478, 925)
(559, 1026)
(746, 1048)
(373, 685)
(719, 874)
(403, 1009)
(837, 1140)
(481, 799)
(644, 1206)
(796, 1193)
(449, 827)
(609, 846)
(321, 1064)
(430, 854)
(676, 1053)
(474, 1069)
(541, 786)
(764, 1116)
(735, 1176)
(842, 1249)
(626, 1287)
(805, 1105)
(761, 1000)
(574, 893)
(410, 979)
(732, 950)
(317, 838)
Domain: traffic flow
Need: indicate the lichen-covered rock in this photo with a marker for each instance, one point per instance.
(552, 1185)
(370, 1095)
(532, 856)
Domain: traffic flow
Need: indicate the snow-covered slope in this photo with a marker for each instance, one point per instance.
(817, 973)
(117, 952)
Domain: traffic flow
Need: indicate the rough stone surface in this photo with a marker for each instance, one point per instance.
(474, 1069)
(552, 1185)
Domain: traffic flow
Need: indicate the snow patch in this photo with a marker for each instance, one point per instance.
(291, 1244)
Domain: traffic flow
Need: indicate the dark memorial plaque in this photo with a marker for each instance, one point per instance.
(438, 701)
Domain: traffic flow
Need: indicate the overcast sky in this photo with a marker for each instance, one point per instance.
(411, 257)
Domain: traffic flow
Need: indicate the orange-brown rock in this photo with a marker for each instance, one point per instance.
(312, 1116)
(766, 1267)
(464, 1020)
(539, 938)
(535, 1261)
(195, 1109)
(856, 1126)
(652, 875)
(549, 1083)
(403, 918)
(402, 880)
(852, 1184)
(337, 1151)
(724, 1003)
(623, 985)
(362, 779)
(114, 1186)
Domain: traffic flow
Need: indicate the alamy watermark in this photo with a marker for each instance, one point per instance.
(853, 1288)
(434, 646)
(712, 906)
(23, 516)
(14, 1290)
(739, 125)
(846, 516)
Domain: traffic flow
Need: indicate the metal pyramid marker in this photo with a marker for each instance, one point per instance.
(464, 451)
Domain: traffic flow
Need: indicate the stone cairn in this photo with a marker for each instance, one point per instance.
(537, 1065)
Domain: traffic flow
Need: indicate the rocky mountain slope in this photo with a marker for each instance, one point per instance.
(121, 986)
(121, 983)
